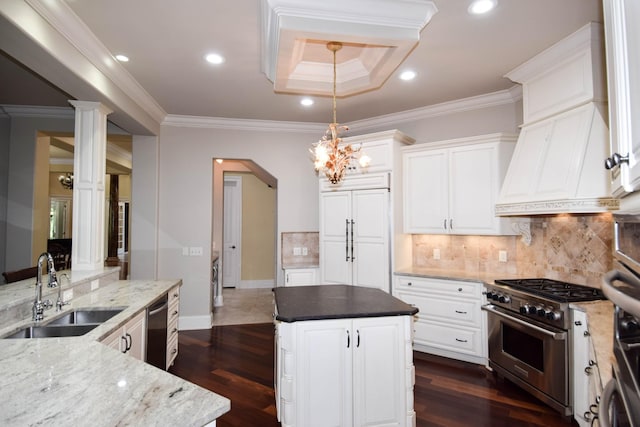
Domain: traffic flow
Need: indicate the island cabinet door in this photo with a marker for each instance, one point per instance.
(380, 386)
(324, 363)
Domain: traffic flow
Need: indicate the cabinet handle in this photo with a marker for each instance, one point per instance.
(578, 323)
(129, 341)
(175, 312)
(174, 351)
(461, 312)
(409, 283)
(358, 337)
(125, 344)
(287, 278)
(586, 333)
(459, 289)
(348, 340)
(451, 224)
(346, 240)
(459, 340)
(592, 363)
(175, 295)
(352, 224)
(587, 370)
(445, 223)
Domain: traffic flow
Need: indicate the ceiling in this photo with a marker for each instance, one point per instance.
(458, 56)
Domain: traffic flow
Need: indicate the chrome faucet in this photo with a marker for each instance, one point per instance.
(38, 305)
(60, 302)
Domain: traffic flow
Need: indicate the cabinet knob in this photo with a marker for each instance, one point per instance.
(409, 283)
(615, 160)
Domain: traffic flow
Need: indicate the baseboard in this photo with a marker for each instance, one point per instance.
(256, 284)
(188, 323)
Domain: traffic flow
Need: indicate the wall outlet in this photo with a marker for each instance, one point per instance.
(195, 251)
(436, 253)
(502, 256)
(305, 251)
(297, 251)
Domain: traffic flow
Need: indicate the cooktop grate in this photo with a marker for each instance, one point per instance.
(554, 289)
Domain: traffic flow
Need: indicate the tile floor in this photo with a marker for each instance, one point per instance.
(244, 306)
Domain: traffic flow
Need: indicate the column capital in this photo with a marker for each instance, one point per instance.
(90, 105)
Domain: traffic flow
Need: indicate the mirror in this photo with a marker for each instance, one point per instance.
(60, 215)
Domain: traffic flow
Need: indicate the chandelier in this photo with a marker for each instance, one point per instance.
(329, 157)
(66, 180)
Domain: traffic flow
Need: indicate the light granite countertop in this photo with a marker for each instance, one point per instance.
(77, 380)
(599, 313)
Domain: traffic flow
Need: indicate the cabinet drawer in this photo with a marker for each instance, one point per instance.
(172, 350)
(460, 340)
(174, 295)
(441, 287)
(462, 312)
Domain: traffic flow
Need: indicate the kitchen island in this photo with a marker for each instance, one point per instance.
(343, 357)
(79, 380)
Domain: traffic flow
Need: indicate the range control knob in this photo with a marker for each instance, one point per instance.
(541, 311)
(532, 310)
(489, 294)
(553, 315)
(524, 309)
(504, 298)
(495, 296)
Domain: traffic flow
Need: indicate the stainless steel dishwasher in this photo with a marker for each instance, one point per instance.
(157, 333)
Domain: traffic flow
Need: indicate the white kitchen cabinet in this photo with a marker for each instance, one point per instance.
(354, 238)
(345, 372)
(451, 187)
(172, 325)
(131, 338)
(300, 276)
(622, 37)
(587, 384)
(450, 321)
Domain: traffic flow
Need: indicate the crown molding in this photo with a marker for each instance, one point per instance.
(493, 99)
(30, 111)
(242, 124)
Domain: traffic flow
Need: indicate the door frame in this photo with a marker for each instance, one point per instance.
(232, 260)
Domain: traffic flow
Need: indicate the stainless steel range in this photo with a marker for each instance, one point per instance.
(529, 326)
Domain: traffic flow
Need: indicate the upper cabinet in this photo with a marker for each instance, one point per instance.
(622, 36)
(451, 187)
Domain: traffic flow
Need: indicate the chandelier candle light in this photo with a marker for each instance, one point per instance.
(328, 157)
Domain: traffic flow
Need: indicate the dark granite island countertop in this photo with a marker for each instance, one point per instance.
(298, 303)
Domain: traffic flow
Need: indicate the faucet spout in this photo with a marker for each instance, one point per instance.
(38, 304)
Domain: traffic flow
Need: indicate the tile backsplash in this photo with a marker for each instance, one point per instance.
(292, 242)
(572, 248)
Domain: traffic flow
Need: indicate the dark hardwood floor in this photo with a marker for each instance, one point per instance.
(237, 362)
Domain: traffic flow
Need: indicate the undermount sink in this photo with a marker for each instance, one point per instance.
(87, 316)
(53, 331)
(72, 324)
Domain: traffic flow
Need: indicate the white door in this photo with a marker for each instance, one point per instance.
(378, 381)
(335, 232)
(323, 368)
(232, 231)
(370, 232)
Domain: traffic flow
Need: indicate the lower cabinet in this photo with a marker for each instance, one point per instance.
(450, 321)
(345, 372)
(130, 338)
(587, 384)
(172, 325)
(300, 276)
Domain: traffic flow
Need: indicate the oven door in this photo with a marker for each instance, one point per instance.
(530, 354)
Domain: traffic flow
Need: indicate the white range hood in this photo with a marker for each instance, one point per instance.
(558, 162)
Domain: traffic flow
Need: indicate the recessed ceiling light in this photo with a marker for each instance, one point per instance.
(408, 75)
(214, 58)
(307, 102)
(479, 7)
(122, 58)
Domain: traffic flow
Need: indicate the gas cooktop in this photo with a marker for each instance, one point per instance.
(554, 290)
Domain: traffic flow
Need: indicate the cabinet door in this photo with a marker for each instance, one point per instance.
(370, 231)
(622, 36)
(335, 226)
(300, 276)
(378, 372)
(324, 375)
(115, 340)
(136, 332)
(425, 192)
(473, 189)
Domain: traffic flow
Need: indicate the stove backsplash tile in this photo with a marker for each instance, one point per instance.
(572, 248)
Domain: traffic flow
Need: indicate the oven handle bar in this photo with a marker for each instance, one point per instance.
(558, 336)
(626, 302)
(605, 402)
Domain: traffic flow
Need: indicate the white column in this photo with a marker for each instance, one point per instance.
(89, 166)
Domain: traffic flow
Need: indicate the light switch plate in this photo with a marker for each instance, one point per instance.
(502, 256)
